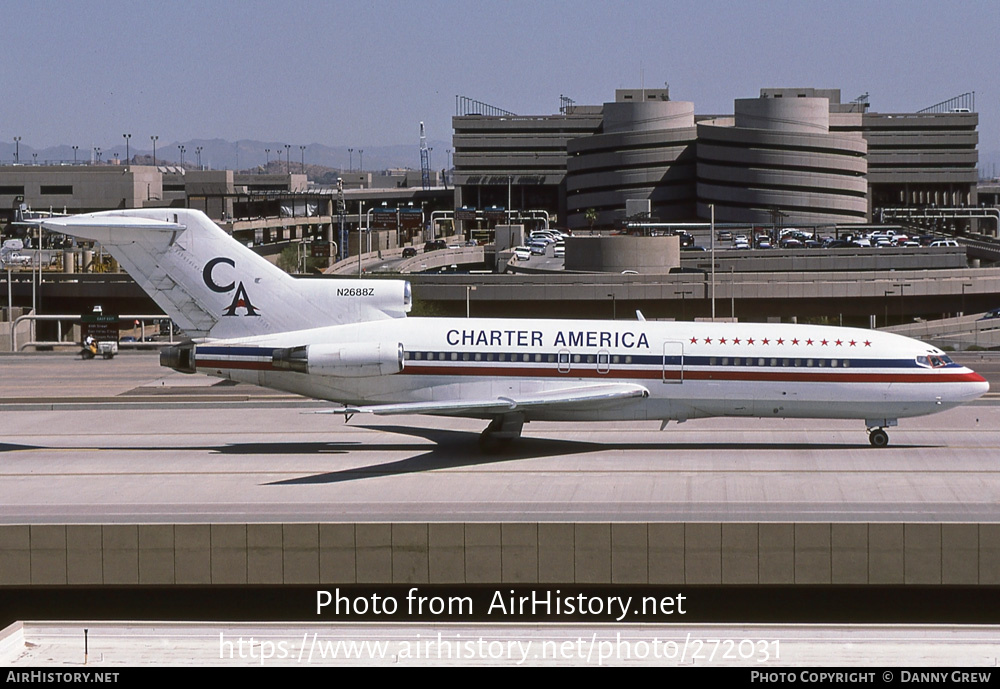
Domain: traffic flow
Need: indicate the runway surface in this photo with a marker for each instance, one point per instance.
(125, 441)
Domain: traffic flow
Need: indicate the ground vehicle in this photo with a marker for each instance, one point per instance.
(351, 342)
(990, 315)
(523, 253)
(435, 245)
(104, 349)
(944, 242)
(409, 252)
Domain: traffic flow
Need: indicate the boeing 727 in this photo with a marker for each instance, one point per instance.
(351, 342)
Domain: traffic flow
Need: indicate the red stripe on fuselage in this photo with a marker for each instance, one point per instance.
(646, 374)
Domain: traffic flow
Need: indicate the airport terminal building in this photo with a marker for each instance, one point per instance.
(791, 156)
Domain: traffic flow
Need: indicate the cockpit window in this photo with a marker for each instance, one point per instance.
(933, 361)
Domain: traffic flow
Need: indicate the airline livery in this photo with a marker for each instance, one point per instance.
(351, 342)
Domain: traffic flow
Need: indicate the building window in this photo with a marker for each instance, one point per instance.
(58, 189)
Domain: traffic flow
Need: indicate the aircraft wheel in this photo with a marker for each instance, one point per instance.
(878, 438)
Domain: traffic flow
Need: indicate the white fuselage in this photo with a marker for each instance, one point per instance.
(690, 370)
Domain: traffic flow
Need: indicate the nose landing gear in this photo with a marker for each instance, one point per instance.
(876, 431)
(878, 437)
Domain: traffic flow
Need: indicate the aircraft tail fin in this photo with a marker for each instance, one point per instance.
(214, 287)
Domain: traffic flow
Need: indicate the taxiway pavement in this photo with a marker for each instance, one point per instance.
(125, 441)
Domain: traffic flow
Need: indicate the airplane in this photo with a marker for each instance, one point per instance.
(351, 342)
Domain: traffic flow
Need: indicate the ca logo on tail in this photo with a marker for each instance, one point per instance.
(241, 300)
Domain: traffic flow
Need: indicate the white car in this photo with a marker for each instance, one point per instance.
(944, 242)
(522, 253)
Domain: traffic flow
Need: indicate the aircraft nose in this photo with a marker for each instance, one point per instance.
(974, 387)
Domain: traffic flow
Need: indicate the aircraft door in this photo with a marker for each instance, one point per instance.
(563, 361)
(603, 361)
(673, 362)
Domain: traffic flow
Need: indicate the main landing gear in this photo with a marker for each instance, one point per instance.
(876, 431)
(501, 431)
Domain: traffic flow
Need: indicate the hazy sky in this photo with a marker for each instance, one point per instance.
(366, 72)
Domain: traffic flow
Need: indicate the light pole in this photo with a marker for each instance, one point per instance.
(711, 208)
(197, 150)
(361, 152)
(17, 149)
(302, 149)
(182, 149)
(74, 154)
(153, 139)
(97, 150)
(901, 286)
(267, 158)
(468, 290)
(34, 158)
(127, 137)
(350, 153)
(614, 307)
(288, 167)
(964, 285)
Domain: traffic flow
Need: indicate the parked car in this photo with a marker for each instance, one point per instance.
(990, 315)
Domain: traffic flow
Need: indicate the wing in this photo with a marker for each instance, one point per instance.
(581, 397)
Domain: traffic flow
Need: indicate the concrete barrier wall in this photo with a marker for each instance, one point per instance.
(489, 553)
